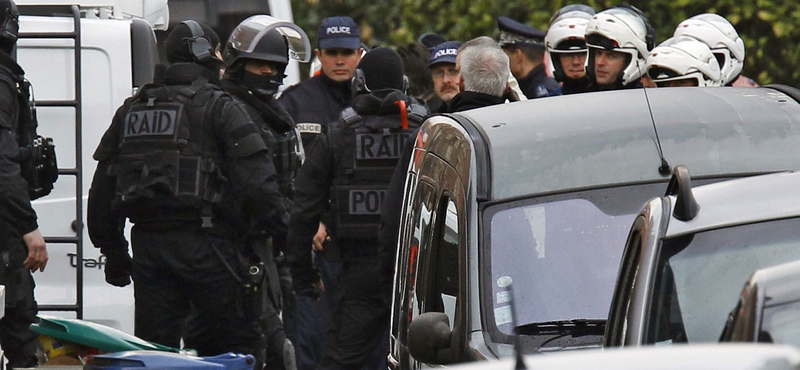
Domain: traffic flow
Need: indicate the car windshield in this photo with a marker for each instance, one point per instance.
(561, 253)
(699, 277)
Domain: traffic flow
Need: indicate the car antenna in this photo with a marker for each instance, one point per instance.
(505, 282)
(664, 169)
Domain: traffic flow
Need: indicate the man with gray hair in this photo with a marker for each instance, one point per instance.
(484, 76)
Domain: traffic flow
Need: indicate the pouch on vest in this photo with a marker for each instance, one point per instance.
(368, 150)
(162, 164)
(37, 154)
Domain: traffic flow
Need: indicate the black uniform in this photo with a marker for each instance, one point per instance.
(314, 103)
(182, 260)
(278, 132)
(350, 167)
(17, 218)
(573, 86)
(538, 85)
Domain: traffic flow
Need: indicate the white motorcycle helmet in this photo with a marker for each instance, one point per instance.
(566, 34)
(721, 37)
(622, 29)
(683, 58)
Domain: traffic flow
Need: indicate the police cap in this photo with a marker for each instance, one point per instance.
(339, 33)
(444, 53)
(518, 34)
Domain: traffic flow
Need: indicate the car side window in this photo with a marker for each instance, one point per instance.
(415, 246)
(444, 254)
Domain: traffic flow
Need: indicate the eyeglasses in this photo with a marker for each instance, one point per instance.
(450, 72)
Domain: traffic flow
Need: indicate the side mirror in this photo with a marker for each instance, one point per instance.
(429, 338)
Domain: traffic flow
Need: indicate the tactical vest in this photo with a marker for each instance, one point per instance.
(37, 154)
(169, 160)
(284, 149)
(367, 150)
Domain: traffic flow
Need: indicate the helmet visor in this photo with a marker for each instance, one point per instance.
(248, 33)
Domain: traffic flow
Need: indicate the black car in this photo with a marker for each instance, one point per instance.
(689, 253)
(541, 194)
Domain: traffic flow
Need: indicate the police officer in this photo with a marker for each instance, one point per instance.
(317, 101)
(257, 54)
(313, 104)
(524, 46)
(350, 168)
(444, 74)
(566, 47)
(683, 61)
(723, 40)
(619, 41)
(22, 247)
(183, 161)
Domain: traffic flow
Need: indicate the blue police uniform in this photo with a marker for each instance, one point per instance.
(514, 34)
(313, 104)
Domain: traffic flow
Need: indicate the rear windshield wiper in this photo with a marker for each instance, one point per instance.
(574, 327)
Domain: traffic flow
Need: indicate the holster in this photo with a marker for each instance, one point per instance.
(270, 283)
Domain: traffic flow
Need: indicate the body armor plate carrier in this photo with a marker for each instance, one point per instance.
(168, 162)
(367, 150)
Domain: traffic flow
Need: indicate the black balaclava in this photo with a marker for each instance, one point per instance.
(9, 26)
(383, 69)
(177, 46)
(263, 86)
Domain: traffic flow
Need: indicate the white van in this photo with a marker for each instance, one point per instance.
(84, 58)
(83, 61)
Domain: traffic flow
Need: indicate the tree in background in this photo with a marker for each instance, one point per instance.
(769, 28)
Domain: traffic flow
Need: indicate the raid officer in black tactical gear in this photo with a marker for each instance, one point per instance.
(346, 173)
(183, 161)
(257, 54)
(22, 247)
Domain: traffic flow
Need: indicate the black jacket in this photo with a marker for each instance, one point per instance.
(16, 213)
(633, 85)
(277, 129)
(467, 100)
(312, 196)
(251, 189)
(538, 85)
(314, 103)
(572, 86)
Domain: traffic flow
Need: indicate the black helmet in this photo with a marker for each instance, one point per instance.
(9, 28)
(271, 47)
(266, 38)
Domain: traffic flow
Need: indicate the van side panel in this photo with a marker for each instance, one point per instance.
(106, 82)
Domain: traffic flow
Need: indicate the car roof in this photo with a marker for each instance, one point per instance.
(607, 138)
(727, 356)
(740, 201)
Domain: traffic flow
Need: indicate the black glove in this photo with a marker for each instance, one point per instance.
(118, 267)
(309, 286)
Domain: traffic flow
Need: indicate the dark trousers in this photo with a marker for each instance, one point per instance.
(19, 343)
(358, 337)
(180, 269)
(312, 317)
